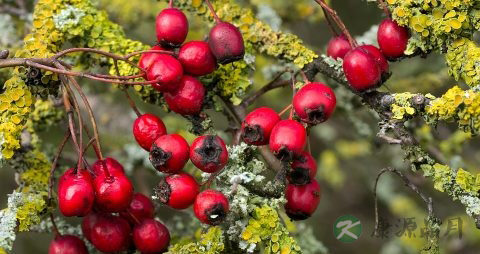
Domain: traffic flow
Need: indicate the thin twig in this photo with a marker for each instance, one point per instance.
(274, 83)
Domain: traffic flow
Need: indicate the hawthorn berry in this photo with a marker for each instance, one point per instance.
(314, 103)
(112, 165)
(75, 193)
(140, 208)
(361, 70)
(172, 27)
(303, 169)
(211, 207)
(226, 42)
(258, 125)
(187, 99)
(167, 70)
(111, 233)
(302, 200)
(378, 56)
(197, 59)
(87, 224)
(169, 153)
(147, 59)
(147, 128)
(209, 153)
(112, 193)
(70, 244)
(178, 191)
(151, 236)
(392, 39)
(287, 140)
(338, 47)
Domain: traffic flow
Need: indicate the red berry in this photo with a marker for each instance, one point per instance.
(88, 223)
(70, 244)
(167, 70)
(75, 193)
(378, 56)
(171, 27)
(146, 129)
(338, 47)
(287, 140)
(140, 208)
(197, 59)
(113, 193)
(147, 59)
(178, 191)
(151, 236)
(303, 169)
(113, 166)
(361, 70)
(211, 207)
(209, 153)
(314, 103)
(111, 233)
(169, 153)
(392, 39)
(258, 125)
(187, 99)
(226, 43)
(302, 200)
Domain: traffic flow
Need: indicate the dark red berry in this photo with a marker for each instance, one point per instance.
(171, 27)
(70, 244)
(111, 233)
(209, 153)
(302, 200)
(113, 166)
(226, 43)
(211, 207)
(75, 193)
(187, 99)
(258, 125)
(197, 59)
(392, 39)
(113, 193)
(303, 169)
(361, 70)
(287, 140)
(169, 153)
(378, 56)
(167, 70)
(146, 129)
(314, 103)
(88, 223)
(338, 47)
(177, 191)
(140, 208)
(151, 236)
(147, 59)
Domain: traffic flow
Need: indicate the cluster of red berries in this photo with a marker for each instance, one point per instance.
(365, 66)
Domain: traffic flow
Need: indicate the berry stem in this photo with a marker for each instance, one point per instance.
(54, 164)
(54, 225)
(170, 4)
(212, 10)
(71, 124)
(384, 7)
(339, 22)
(133, 217)
(285, 110)
(329, 23)
(304, 76)
(132, 103)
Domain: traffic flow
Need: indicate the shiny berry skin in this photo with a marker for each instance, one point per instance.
(338, 47)
(169, 153)
(151, 236)
(392, 39)
(113, 193)
(258, 125)
(70, 244)
(211, 207)
(302, 200)
(113, 166)
(226, 42)
(361, 70)
(303, 169)
(377, 55)
(197, 59)
(314, 103)
(140, 208)
(287, 140)
(147, 59)
(88, 223)
(178, 191)
(172, 27)
(209, 153)
(111, 234)
(75, 193)
(187, 99)
(147, 128)
(167, 70)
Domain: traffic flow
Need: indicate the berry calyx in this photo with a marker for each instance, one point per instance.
(172, 27)
(338, 47)
(226, 43)
(211, 207)
(75, 193)
(187, 99)
(361, 70)
(111, 233)
(169, 153)
(147, 128)
(377, 55)
(314, 103)
(302, 200)
(67, 244)
(151, 236)
(392, 39)
(113, 193)
(140, 208)
(177, 191)
(147, 59)
(167, 70)
(209, 153)
(197, 59)
(287, 140)
(258, 125)
(303, 169)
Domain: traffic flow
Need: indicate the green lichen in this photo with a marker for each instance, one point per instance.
(210, 242)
